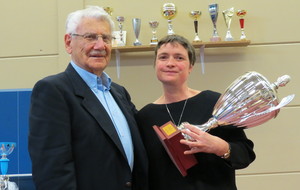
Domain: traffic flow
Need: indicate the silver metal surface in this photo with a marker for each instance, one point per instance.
(136, 23)
(213, 10)
(249, 101)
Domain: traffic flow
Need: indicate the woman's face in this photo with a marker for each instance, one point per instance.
(172, 64)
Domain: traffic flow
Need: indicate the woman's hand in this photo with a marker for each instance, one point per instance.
(203, 141)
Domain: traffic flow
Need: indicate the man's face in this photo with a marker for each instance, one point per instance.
(90, 54)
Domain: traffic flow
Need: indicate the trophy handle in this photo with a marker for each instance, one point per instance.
(286, 100)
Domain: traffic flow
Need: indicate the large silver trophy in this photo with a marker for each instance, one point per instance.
(249, 101)
(6, 148)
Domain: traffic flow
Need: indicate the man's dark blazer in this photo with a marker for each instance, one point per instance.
(73, 143)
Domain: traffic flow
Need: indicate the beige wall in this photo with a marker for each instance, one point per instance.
(32, 47)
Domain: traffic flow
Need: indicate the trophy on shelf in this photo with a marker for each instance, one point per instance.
(213, 10)
(249, 101)
(153, 25)
(169, 12)
(195, 15)
(120, 35)
(6, 148)
(136, 23)
(109, 10)
(228, 17)
(241, 14)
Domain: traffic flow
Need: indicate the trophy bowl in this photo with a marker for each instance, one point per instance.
(169, 11)
(6, 148)
(249, 101)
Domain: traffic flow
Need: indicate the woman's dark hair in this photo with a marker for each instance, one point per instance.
(173, 39)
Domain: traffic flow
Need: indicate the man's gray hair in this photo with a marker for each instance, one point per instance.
(75, 18)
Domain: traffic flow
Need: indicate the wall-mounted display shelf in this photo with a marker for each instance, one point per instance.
(242, 43)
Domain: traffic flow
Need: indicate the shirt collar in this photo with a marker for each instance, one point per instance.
(102, 83)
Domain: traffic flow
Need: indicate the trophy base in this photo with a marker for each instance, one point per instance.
(215, 39)
(197, 39)
(153, 43)
(137, 43)
(229, 39)
(170, 137)
(228, 36)
(120, 39)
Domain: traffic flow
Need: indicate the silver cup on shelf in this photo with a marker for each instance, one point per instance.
(136, 23)
(228, 14)
(195, 15)
(121, 20)
(213, 10)
(153, 25)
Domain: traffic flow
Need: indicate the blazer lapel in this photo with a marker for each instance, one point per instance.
(94, 107)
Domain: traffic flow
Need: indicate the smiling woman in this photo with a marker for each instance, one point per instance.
(175, 58)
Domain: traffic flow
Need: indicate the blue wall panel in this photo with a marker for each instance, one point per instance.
(14, 111)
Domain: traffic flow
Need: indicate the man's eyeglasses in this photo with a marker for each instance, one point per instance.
(93, 38)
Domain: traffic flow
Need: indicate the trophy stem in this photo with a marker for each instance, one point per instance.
(211, 123)
(121, 32)
(4, 166)
(196, 39)
(154, 39)
(215, 37)
(170, 28)
(243, 35)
